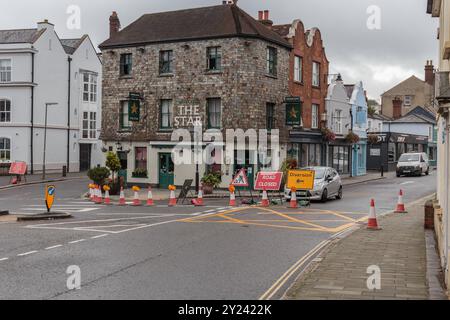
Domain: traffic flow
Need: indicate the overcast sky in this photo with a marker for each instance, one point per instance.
(379, 58)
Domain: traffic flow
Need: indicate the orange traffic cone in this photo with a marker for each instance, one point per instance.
(232, 197)
(107, 198)
(136, 201)
(199, 202)
(293, 204)
(400, 205)
(172, 199)
(150, 202)
(265, 199)
(91, 193)
(122, 201)
(94, 193)
(99, 198)
(372, 223)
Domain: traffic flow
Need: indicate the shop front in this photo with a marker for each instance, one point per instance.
(307, 148)
(384, 153)
(339, 156)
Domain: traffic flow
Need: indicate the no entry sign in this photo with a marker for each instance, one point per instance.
(269, 181)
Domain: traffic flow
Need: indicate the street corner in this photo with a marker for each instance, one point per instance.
(300, 219)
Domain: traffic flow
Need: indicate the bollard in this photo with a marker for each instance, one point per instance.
(429, 215)
(64, 171)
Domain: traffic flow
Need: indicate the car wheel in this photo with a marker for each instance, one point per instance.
(324, 196)
(339, 195)
(398, 175)
(428, 172)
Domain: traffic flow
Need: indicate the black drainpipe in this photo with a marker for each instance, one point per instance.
(32, 115)
(69, 59)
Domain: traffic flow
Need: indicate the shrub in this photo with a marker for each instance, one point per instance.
(212, 179)
(99, 175)
(140, 173)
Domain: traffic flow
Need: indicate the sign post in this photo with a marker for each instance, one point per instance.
(241, 180)
(269, 181)
(302, 180)
(49, 196)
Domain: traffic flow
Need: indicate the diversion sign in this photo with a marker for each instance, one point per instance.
(301, 179)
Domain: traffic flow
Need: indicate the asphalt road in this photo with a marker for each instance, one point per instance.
(211, 252)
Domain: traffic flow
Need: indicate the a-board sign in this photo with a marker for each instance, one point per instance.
(269, 181)
(49, 196)
(185, 189)
(240, 180)
(18, 168)
(301, 179)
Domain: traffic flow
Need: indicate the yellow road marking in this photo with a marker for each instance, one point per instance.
(294, 219)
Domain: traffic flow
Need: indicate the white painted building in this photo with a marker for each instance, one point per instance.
(36, 68)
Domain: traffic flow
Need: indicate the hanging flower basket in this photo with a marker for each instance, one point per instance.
(328, 135)
(352, 137)
(372, 139)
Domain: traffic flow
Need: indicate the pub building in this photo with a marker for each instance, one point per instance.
(215, 65)
(384, 149)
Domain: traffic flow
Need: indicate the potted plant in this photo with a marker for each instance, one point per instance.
(288, 164)
(328, 134)
(113, 164)
(99, 175)
(210, 181)
(352, 137)
(140, 173)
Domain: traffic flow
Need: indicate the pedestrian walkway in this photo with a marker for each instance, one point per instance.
(399, 250)
(370, 176)
(37, 178)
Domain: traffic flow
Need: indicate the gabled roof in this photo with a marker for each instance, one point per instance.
(414, 118)
(349, 88)
(377, 116)
(71, 45)
(282, 29)
(410, 79)
(423, 112)
(220, 21)
(20, 36)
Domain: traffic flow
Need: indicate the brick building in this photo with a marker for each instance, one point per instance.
(308, 80)
(215, 65)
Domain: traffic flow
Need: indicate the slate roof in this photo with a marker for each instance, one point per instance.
(349, 88)
(71, 45)
(282, 29)
(414, 118)
(19, 36)
(423, 112)
(220, 21)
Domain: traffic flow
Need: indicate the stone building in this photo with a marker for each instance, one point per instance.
(214, 65)
(410, 93)
(308, 81)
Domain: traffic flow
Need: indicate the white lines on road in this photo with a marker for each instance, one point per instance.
(407, 182)
(77, 241)
(4, 259)
(100, 236)
(27, 253)
(54, 247)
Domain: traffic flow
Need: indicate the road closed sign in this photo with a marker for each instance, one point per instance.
(301, 179)
(269, 181)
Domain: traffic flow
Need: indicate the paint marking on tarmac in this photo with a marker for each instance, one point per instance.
(77, 241)
(54, 247)
(27, 253)
(100, 236)
(407, 182)
(4, 259)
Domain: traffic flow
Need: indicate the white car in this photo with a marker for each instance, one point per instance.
(413, 164)
(327, 185)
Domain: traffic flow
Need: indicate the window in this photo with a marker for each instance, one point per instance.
(271, 61)
(214, 57)
(298, 69)
(340, 159)
(5, 110)
(166, 62)
(316, 74)
(315, 116)
(214, 107)
(140, 161)
(338, 121)
(89, 87)
(166, 114)
(5, 149)
(408, 101)
(391, 152)
(126, 64)
(270, 108)
(123, 117)
(5, 70)
(89, 125)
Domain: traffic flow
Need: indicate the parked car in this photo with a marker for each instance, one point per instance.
(413, 164)
(327, 185)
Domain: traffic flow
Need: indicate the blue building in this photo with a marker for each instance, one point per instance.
(358, 104)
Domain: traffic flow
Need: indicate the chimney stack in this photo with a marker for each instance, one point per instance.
(397, 104)
(114, 24)
(429, 72)
(263, 17)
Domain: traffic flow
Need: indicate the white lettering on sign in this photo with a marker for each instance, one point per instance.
(188, 116)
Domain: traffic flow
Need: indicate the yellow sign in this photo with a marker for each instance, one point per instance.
(49, 196)
(301, 179)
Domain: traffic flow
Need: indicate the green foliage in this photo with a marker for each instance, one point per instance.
(212, 179)
(99, 175)
(140, 173)
(113, 162)
(288, 164)
(371, 110)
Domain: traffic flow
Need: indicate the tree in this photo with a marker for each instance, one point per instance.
(113, 163)
(371, 110)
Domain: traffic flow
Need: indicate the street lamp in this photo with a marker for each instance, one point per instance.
(45, 135)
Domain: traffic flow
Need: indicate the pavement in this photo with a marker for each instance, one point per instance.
(5, 181)
(185, 252)
(399, 250)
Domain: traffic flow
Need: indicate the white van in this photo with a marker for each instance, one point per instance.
(413, 164)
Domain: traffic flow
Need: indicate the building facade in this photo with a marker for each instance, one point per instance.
(308, 83)
(441, 10)
(40, 71)
(217, 67)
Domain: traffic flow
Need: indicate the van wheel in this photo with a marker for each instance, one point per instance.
(324, 196)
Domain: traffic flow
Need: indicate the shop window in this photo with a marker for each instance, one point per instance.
(339, 159)
(140, 158)
(391, 152)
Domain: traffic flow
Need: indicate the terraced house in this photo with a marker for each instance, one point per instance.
(216, 65)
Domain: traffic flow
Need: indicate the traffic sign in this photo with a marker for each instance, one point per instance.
(269, 181)
(240, 180)
(301, 179)
(49, 196)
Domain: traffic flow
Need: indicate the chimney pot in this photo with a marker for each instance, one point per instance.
(260, 15)
(114, 24)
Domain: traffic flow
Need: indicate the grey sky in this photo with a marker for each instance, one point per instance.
(380, 58)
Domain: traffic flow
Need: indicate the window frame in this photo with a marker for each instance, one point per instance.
(126, 64)
(298, 69)
(90, 87)
(270, 116)
(338, 121)
(217, 57)
(5, 152)
(315, 118)
(6, 113)
(169, 114)
(124, 123)
(163, 61)
(272, 61)
(410, 99)
(315, 74)
(5, 71)
(216, 103)
(138, 162)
